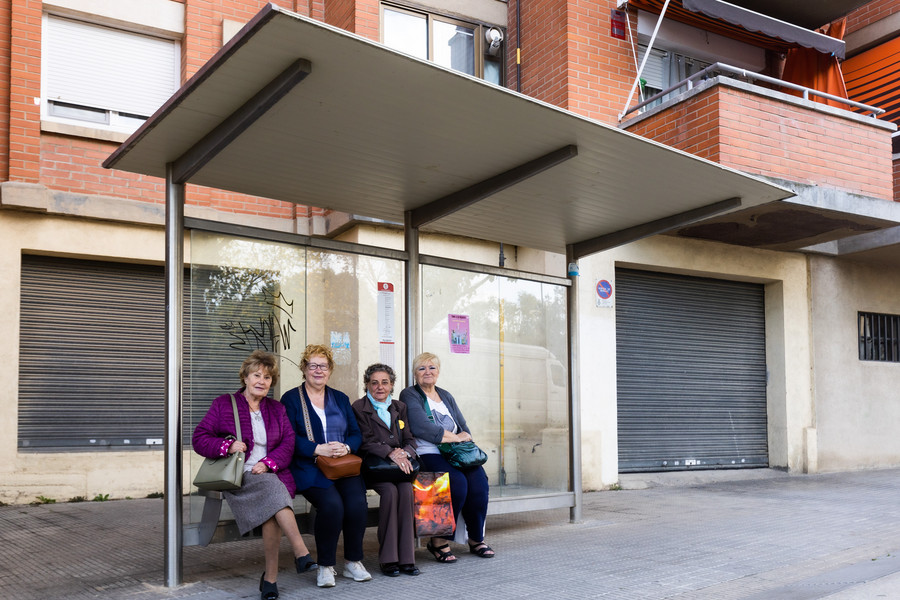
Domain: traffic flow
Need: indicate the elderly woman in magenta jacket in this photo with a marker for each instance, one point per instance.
(267, 438)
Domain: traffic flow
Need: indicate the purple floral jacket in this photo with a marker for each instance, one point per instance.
(209, 435)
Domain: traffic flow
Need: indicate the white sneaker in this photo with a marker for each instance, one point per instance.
(356, 571)
(325, 577)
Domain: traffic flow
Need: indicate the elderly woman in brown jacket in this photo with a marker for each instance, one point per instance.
(385, 433)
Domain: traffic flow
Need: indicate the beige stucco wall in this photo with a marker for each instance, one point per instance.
(65, 475)
(857, 408)
(787, 342)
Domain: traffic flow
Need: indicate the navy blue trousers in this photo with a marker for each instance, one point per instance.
(341, 506)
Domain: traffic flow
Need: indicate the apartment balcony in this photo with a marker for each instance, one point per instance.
(836, 158)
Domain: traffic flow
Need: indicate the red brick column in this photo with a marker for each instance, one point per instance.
(5, 30)
(24, 89)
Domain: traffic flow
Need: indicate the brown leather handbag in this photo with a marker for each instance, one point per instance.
(332, 467)
(335, 467)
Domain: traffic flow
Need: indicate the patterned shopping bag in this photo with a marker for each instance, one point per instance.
(434, 510)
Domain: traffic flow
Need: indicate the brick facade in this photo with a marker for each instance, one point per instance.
(544, 51)
(764, 136)
(24, 86)
(568, 59)
(897, 181)
(362, 17)
(72, 164)
(871, 13)
(5, 56)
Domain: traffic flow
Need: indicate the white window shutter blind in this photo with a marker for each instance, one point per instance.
(105, 68)
(653, 70)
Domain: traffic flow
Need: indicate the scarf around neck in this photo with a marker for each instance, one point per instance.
(381, 408)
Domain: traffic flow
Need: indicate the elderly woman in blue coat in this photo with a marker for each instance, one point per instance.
(340, 504)
(266, 492)
(444, 422)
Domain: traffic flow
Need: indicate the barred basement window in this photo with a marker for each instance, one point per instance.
(879, 337)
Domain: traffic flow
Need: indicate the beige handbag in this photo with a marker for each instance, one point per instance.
(225, 472)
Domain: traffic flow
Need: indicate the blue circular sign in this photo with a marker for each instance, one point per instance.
(604, 289)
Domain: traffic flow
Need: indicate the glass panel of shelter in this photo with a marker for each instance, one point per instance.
(502, 345)
(248, 294)
(534, 384)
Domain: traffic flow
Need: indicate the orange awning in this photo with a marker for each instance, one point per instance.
(873, 77)
(817, 71)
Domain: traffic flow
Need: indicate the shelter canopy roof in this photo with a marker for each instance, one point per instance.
(376, 133)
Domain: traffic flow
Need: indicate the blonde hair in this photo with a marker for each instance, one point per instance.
(424, 358)
(316, 350)
(257, 359)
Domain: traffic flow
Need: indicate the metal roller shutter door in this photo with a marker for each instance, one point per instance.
(91, 356)
(691, 373)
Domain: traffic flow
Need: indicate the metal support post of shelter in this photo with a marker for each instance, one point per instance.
(174, 328)
(412, 283)
(574, 398)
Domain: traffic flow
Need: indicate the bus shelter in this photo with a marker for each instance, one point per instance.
(295, 110)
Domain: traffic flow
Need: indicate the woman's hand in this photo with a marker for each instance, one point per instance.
(259, 467)
(332, 449)
(450, 437)
(237, 446)
(398, 455)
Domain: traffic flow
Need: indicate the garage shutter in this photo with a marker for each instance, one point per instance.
(92, 353)
(691, 373)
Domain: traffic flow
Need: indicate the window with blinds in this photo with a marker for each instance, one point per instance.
(104, 77)
(664, 69)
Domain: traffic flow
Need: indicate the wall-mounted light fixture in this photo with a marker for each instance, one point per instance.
(494, 37)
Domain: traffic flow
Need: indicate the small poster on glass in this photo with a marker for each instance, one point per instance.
(459, 333)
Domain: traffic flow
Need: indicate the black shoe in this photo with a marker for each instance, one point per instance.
(268, 591)
(305, 563)
(409, 569)
(390, 569)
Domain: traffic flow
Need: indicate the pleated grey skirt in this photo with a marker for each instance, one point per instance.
(260, 497)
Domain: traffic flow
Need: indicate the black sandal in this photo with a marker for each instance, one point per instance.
(268, 590)
(481, 550)
(305, 563)
(442, 553)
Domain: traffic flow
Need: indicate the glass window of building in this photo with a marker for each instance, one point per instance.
(470, 48)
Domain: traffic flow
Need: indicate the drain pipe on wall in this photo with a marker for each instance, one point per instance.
(518, 46)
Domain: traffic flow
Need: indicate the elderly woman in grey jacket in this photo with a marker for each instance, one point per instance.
(468, 487)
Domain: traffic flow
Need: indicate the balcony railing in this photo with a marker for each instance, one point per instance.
(717, 68)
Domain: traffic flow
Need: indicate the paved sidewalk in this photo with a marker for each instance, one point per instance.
(756, 535)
